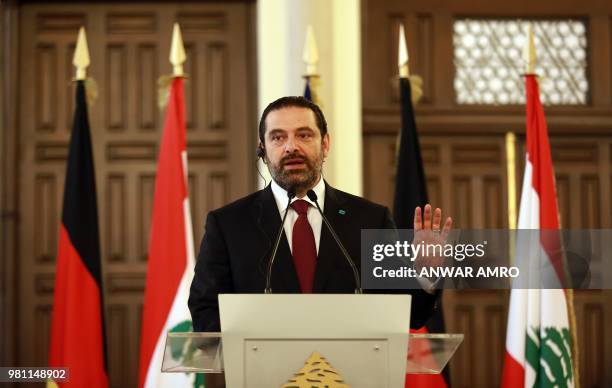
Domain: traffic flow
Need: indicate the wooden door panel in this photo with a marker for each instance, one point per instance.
(129, 46)
(464, 154)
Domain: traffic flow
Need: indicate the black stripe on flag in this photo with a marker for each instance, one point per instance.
(80, 211)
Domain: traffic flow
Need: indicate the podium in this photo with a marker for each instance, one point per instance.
(282, 340)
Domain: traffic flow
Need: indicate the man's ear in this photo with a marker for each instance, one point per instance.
(260, 151)
(325, 144)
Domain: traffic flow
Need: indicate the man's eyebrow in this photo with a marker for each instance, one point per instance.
(305, 129)
(275, 131)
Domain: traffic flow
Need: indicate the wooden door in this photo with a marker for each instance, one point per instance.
(129, 47)
(465, 159)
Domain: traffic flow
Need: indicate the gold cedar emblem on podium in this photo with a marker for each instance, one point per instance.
(316, 373)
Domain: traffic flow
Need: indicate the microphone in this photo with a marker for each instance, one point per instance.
(290, 195)
(313, 197)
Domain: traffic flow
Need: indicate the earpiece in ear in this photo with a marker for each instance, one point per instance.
(260, 151)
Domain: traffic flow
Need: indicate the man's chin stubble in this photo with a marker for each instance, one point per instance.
(297, 180)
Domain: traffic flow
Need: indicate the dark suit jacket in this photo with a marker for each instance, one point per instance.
(238, 241)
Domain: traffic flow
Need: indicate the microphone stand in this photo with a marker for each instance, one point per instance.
(268, 289)
(358, 290)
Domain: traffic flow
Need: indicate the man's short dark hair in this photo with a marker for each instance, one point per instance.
(292, 101)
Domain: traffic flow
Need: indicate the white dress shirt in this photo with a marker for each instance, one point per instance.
(314, 217)
(316, 221)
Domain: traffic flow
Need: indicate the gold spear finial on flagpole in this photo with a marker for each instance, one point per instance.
(81, 56)
(310, 54)
(177, 52)
(402, 56)
(416, 82)
(177, 58)
(529, 52)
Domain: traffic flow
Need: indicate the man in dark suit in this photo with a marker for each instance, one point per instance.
(239, 237)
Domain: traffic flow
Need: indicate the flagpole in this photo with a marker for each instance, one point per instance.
(170, 246)
(403, 71)
(310, 56)
(78, 265)
(511, 173)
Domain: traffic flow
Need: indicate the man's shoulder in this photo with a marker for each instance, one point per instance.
(239, 206)
(356, 201)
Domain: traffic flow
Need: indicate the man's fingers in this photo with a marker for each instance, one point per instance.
(437, 217)
(418, 223)
(427, 217)
(448, 224)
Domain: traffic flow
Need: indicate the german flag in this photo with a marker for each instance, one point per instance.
(77, 329)
(410, 192)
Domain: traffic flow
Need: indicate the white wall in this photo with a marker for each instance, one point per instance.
(281, 29)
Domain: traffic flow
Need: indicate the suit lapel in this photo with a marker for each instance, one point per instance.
(268, 220)
(328, 250)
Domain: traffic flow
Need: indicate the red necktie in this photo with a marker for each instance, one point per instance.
(304, 248)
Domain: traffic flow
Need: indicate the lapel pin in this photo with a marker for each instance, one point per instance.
(342, 211)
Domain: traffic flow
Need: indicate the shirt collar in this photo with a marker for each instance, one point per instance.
(280, 195)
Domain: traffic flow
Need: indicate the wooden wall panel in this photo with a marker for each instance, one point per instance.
(217, 79)
(9, 197)
(45, 206)
(59, 22)
(593, 318)
(464, 156)
(129, 46)
(461, 192)
(70, 92)
(191, 83)
(46, 72)
(117, 324)
(147, 81)
(423, 64)
(116, 211)
(116, 86)
(146, 187)
(42, 336)
(465, 368)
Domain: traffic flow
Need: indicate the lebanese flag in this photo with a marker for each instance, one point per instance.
(538, 340)
(77, 326)
(171, 255)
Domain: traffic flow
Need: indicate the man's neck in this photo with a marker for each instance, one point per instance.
(301, 193)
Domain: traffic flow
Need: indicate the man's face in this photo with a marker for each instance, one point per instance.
(294, 148)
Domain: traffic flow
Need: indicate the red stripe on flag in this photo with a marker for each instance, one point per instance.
(538, 146)
(167, 244)
(76, 329)
(513, 374)
(425, 381)
(543, 178)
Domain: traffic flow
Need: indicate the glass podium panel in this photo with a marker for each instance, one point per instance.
(203, 352)
(429, 353)
(193, 352)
